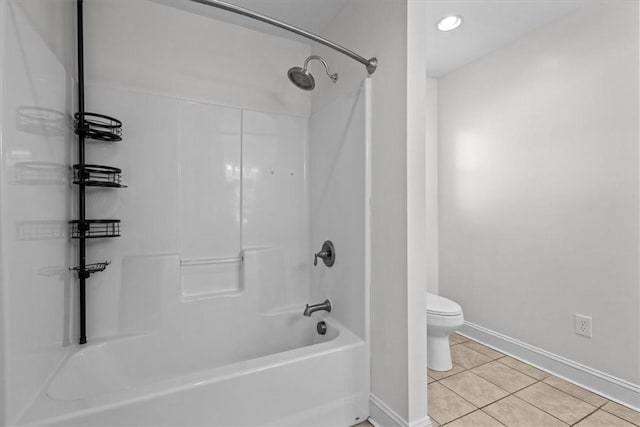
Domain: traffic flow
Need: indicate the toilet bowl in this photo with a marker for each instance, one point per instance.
(443, 318)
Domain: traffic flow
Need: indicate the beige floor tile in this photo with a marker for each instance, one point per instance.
(483, 349)
(476, 419)
(503, 376)
(512, 411)
(434, 423)
(466, 357)
(457, 339)
(576, 391)
(445, 405)
(524, 368)
(601, 418)
(623, 412)
(437, 375)
(430, 379)
(363, 424)
(476, 390)
(556, 402)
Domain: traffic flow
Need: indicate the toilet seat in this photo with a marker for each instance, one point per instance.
(440, 306)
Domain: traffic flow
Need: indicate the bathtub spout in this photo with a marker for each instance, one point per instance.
(310, 309)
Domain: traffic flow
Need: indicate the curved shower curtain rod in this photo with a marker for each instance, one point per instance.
(370, 64)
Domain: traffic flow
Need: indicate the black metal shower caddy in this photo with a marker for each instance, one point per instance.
(97, 127)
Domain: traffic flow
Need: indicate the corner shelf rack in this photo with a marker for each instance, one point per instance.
(97, 176)
(96, 127)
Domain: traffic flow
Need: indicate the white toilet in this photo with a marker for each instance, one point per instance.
(443, 318)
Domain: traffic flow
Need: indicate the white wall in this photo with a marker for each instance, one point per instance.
(145, 46)
(205, 182)
(539, 188)
(338, 189)
(337, 178)
(380, 28)
(35, 205)
(416, 243)
(431, 170)
(3, 244)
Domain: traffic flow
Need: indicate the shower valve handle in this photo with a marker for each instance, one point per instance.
(327, 253)
(321, 254)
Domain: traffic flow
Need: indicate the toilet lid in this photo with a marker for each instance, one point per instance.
(442, 306)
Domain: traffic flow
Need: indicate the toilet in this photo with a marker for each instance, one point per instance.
(443, 318)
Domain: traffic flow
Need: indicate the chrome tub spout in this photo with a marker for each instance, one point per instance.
(310, 309)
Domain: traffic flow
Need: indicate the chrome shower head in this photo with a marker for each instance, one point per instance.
(302, 78)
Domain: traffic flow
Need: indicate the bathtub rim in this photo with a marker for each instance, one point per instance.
(56, 411)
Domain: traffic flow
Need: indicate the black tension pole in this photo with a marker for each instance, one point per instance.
(82, 249)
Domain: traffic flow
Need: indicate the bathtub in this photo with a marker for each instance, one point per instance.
(281, 372)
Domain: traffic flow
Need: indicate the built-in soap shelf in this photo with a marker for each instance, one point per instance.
(204, 278)
(196, 262)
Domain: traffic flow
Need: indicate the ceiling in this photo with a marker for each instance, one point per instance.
(487, 25)
(310, 15)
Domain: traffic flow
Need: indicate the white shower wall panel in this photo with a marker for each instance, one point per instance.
(338, 165)
(149, 208)
(164, 50)
(275, 199)
(210, 142)
(36, 102)
(205, 182)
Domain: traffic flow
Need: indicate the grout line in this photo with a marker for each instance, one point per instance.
(473, 412)
(616, 415)
(524, 373)
(586, 416)
(579, 398)
(540, 409)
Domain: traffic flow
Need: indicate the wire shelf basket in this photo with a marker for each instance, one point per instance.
(95, 228)
(97, 176)
(90, 269)
(98, 127)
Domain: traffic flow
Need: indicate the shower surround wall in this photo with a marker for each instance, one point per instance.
(216, 157)
(35, 286)
(190, 119)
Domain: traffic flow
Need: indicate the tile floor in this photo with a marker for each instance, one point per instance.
(487, 388)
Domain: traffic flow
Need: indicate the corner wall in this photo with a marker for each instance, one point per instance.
(37, 103)
(539, 188)
(3, 247)
(382, 28)
(431, 170)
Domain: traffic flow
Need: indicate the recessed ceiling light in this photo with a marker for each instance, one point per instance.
(449, 23)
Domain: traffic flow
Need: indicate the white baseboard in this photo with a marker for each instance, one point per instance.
(381, 415)
(612, 388)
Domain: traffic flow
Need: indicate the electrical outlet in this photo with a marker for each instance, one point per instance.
(583, 325)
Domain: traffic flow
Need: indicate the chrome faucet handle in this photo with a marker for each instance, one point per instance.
(327, 253)
(321, 254)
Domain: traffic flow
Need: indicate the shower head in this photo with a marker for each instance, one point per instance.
(302, 78)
